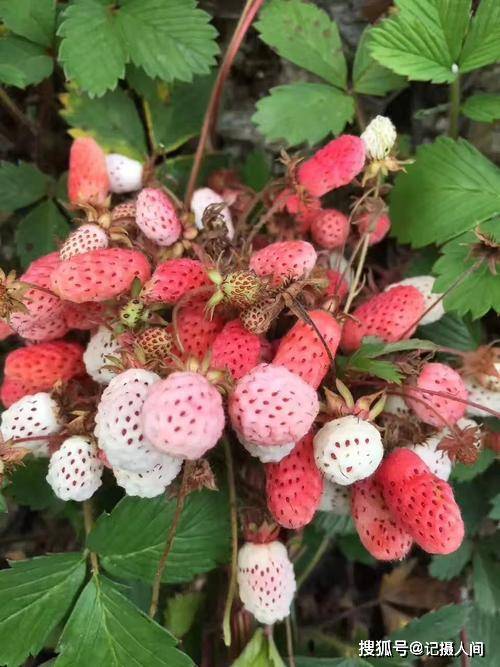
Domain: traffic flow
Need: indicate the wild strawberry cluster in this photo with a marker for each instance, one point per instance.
(160, 328)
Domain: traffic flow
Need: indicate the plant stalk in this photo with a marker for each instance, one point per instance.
(16, 112)
(454, 107)
(88, 522)
(231, 591)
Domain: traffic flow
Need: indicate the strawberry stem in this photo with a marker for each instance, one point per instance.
(88, 522)
(231, 591)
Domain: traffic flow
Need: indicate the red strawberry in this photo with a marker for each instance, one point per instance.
(303, 210)
(41, 365)
(390, 315)
(39, 272)
(421, 502)
(333, 166)
(83, 316)
(5, 330)
(294, 486)
(156, 217)
(99, 275)
(88, 181)
(380, 534)
(378, 226)
(302, 351)
(284, 260)
(436, 410)
(236, 350)
(337, 285)
(173, 279)
(13, 390)
(330, 228)
(195, 332)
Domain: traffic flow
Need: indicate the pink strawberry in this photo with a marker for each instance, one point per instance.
(156, 217)
(271, 406)
(294, 486)
(284, 260)
(173, 279)
(183, 416)
(330, 228)
(13, 390)
(266, 581)
(302, 351)
(236, 350)
(437, 410)
(41, 365)
(379, 532)
(333, 166)
(88, 181)
(5, 330)
(83, 316)
(378, 226)
(87, 237)
(337, 285)
(390, 316)
(195, 331)
(99, 275)
(421, 502)
(303, 210)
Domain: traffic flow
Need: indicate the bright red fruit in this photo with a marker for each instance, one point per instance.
(195, 331)
(376, 226)
(284, 260)
(88, 181)
(173, 279)
(43, 364)
(337, 285)
(330, 228)
(236, 349)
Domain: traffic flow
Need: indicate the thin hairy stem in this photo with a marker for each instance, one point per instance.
(289, 642)
(247, 16)
(359, 270)
(231, 591)
(16, 112)
(88, 522)
(318, 555)
(454, 107)
(181, 497)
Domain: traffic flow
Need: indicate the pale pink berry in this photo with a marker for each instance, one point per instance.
(330, 228)
(437, 410)
(75, 470)
(151, 483)
(377, 226)
(284, 260)
(156, 217)
(31, 417)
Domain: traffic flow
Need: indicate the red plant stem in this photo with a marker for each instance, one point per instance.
(250, 10)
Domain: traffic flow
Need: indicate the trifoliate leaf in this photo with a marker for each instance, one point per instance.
(107, 629)
(423, 39)
(450, 566)
(483, 107)
(35, 595)
(23, 63)
(260, 651)
(40, 232)
(369, 76)
(305, 35)
(131, 539)
(475, 293)
(449, 189)
(482, 44)
(112, 120)
(284, 116)
(445, 623)
(455, 332)
(486, 582)
(32, 19)
(21, 184)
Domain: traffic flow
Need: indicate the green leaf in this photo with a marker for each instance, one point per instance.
(32, 19)
(486, 581)
(453, 331)
(28, 486)
(331, 662)
(305, 35)
(107, 629)
(495, 512)
(259, 652)
(303, 112)
(473, 502)
(353, 550)
(91, 50)
(21, 184)
(23, 63)
(131, 539)
(482, 283)
(3, 504)
(256, 170)
(35, 595)
(179, 118)
(483, 107)
(448, 567)
(440, 625)
(463, 473)
(181, 611)
(423, 40)
(334, 524)
(482, 45)
(484, 628)
(451, 187)
(369, 77)
(40, 231)
(112, 120)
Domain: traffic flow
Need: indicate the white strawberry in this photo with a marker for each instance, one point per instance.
(84, 239)
(425, 285)
(395, 405)
(125, 174)
(202, 199)
(118, 426)
(75, 470)
(266, 581)
(268, 454)
(101, 345)
(335, 499)
(29, 417)
(151, 483)
(347, 450)
(476, 393)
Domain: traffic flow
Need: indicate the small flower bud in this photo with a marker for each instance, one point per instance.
(379, 137)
